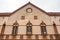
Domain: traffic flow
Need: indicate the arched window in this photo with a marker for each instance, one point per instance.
(15, 28)
(4, 24)
(3, 28)
(54, 24)
(29, 28)
(55, 28)
(43, 28)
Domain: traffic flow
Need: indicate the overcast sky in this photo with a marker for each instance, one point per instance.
(47, 5)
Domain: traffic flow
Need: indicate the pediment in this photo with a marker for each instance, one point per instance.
(28, 5)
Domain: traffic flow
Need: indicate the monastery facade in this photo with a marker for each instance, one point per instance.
(30, 23)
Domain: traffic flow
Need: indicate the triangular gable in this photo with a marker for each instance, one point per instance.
(26, 5)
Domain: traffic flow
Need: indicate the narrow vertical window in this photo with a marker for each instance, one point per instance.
(43, 28)
(3, 28)
(55, 28)
(15, 28)
(29, 28)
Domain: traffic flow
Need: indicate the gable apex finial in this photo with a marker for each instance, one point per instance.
(29, 2)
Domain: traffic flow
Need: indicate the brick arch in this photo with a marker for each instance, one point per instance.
(16, 23)
(42, 23)
(29, 23)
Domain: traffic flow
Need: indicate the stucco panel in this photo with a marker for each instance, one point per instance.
(8, 30)
(36, 30)
(50, 30)
(22, 30)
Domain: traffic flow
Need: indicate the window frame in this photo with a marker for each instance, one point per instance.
(35, 17)
(29, 30)
(43, 28)
(15, 28)
(28, 25)
(22, 17)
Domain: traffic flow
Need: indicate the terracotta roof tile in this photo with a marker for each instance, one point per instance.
(5, 14)
(54, 13)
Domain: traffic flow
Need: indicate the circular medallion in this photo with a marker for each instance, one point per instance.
(29, 10)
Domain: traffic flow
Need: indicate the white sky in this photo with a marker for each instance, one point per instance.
(47, 5)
